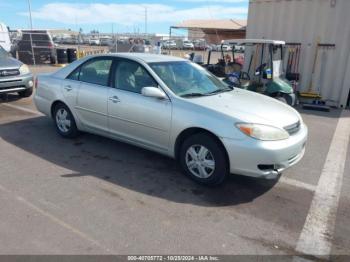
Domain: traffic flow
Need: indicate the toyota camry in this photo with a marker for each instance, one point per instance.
(176, 108)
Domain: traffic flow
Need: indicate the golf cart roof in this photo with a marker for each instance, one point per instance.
(253, 41)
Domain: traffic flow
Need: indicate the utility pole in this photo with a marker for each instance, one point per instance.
(146, 21)
(31, 28)
(115, 37)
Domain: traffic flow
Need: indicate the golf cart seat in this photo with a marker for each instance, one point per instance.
(233, 67)
(239, 79)
(245, 80)
(245, 84)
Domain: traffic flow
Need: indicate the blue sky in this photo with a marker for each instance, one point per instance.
(124, 15)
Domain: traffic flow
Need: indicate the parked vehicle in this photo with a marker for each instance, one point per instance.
(239, 48)
(200, 44)
(267, 75)
(43, 46)
(187, 45)
(211, 47)
(15, 76)
(263, 72)
(68, 40)
(106, 41)
(225, 48)
(5, 41)
(94, 41)
(86, 40)
(177, 108)
(170, 44)
(220, 48)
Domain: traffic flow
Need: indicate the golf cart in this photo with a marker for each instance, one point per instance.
(226, 64)
(262, 70)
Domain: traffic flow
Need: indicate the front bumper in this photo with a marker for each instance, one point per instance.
(265, 159)
(16, 83)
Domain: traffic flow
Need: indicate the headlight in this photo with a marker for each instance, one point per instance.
(24, 69)
(263, 132)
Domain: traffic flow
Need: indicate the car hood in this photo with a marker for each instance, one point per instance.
(9, 63)
(250, 107)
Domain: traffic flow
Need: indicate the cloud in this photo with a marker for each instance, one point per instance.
(129, 14)
(5, 5)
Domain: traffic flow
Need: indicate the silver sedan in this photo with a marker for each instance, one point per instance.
(176, 108)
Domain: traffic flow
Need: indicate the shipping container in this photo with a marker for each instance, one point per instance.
(312, 23)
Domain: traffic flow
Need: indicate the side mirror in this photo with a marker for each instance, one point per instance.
(155, 92)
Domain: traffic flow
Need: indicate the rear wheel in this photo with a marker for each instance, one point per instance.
(204, 160)
(64, 121)
(26, 93)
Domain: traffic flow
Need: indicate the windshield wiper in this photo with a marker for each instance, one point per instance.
(193, 95)
(220, 91)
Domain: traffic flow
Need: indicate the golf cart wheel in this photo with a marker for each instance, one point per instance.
(289, 99)
(26, 93)
(203, 159)
(281, 99)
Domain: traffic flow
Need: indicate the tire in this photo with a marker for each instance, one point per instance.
(210, 167)
(26, 93)
(281, 99)
(65, 122)
(291, 99)
(288, 99)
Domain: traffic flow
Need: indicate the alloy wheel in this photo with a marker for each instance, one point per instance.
(62, 120)
(200, 161)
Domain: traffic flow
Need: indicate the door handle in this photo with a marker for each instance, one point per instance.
(114, 99)
(68, 88)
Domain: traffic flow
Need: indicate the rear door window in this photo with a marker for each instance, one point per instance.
(40, 37)
(74, 75)
(96, 71)
(36, 37)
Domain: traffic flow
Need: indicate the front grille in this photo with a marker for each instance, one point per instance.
(9, 72)
(10, 81)
(293, 129)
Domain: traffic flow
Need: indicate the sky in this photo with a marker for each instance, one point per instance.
(116, 15)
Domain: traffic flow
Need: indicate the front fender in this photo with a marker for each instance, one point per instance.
(279, 85)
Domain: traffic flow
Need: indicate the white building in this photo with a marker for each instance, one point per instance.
(5, 37)
(310, 23)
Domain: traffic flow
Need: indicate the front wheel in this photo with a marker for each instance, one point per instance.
(204, 159)
(289, 99)
(64, 121)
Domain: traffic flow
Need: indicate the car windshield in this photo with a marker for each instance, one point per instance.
(3, 52)
(187, 79)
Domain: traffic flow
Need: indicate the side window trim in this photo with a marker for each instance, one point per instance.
(113, 72)
(71, 73)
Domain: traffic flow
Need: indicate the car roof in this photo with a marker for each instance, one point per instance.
(139, 57)
(148, 58)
